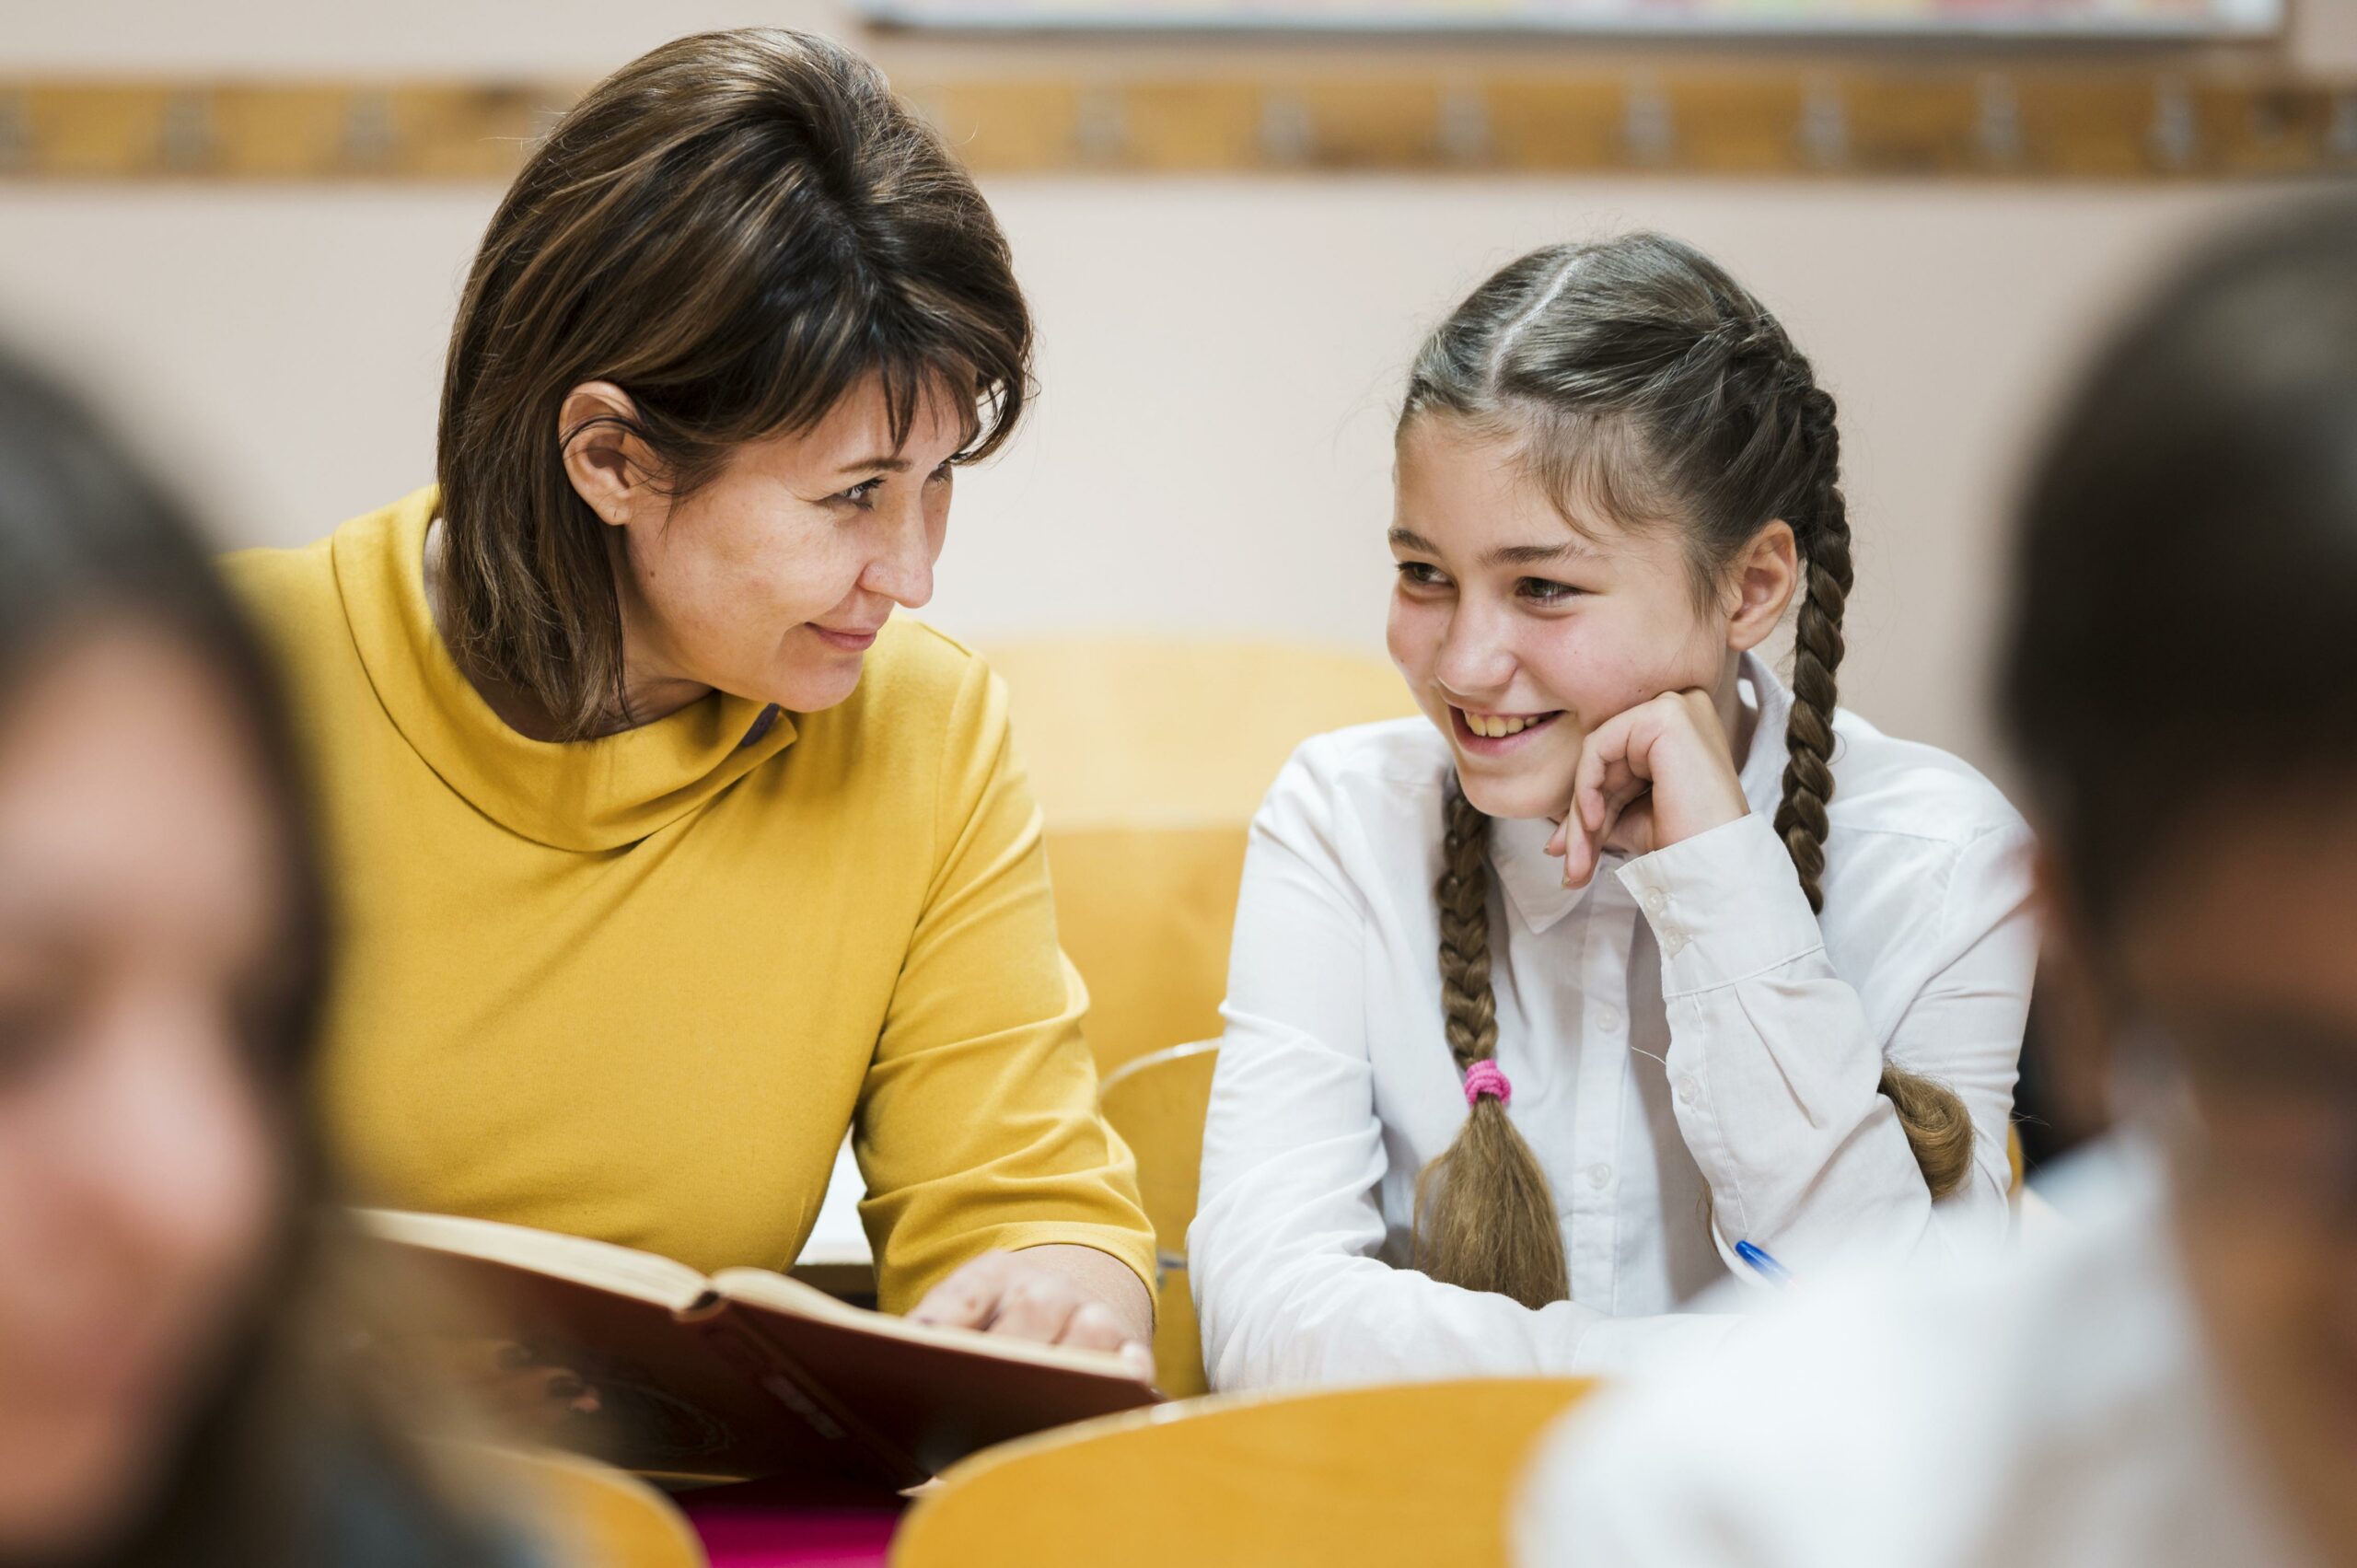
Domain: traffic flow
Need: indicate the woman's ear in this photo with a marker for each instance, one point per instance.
(606, 464)
(1760, 583)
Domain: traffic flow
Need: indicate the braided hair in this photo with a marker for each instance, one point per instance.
(1643, 384)
(1484, 1218)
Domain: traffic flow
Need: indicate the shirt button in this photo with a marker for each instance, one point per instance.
(1673, 940)
(1655, 901)
(1688, 1091)
(1608, 1019)
(1599, 1177)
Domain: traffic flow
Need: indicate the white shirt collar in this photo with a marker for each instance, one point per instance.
(1534, 879)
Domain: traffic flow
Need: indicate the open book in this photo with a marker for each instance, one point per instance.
(744, 1373)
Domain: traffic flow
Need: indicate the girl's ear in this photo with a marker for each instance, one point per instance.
(1760, 583)
(606, 464)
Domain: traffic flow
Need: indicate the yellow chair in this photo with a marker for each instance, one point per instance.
(1156, 1103)
(1148, 757)
(587, 1514)
(1417, 1474)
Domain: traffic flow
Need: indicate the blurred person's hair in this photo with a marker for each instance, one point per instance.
(2187, 573)
(737, 229)
(1646, 388)
(288, 1458)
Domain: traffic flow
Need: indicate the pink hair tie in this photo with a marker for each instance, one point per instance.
(1484, 1078)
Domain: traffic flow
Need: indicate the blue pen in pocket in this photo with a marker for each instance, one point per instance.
(1767, 1268)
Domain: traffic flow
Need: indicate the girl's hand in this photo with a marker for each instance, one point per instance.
(1040, 1295)
(1649, 777)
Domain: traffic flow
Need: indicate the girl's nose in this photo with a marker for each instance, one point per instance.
(1475, 661)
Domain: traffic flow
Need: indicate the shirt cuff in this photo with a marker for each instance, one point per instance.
(1723, 906)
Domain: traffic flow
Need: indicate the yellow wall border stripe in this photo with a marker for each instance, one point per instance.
(1843, 120)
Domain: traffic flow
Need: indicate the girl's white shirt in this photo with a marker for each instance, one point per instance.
(1693, 1054)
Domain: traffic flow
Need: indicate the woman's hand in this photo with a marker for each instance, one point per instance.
(1056, 1295)
(1648, 777)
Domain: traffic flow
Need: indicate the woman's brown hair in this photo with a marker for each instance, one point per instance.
(737, 229)
(1645, 383)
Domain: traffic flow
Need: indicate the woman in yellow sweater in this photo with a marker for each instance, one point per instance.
(665, 854)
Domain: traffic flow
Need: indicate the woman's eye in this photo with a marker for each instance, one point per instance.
(1422, 575)
(1541, 591)
(941, 473)
(864, 493)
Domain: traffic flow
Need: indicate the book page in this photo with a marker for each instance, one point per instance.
(642, 1275)
(761, 1288)
(935, 1394)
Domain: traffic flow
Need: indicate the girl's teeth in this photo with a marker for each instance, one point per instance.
(1495, 727)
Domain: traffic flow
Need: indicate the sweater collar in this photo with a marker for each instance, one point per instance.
(1534, 879)
(576, 795)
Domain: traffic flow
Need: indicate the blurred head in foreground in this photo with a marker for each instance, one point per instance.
(160, 952)
(2180, 677)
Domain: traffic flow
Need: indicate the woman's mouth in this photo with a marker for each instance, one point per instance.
(1494, 735)
(852, 641)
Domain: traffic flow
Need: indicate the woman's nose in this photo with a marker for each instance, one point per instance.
(904, 572)
(905, 578)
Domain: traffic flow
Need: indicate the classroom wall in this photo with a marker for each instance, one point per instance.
(1218, 356)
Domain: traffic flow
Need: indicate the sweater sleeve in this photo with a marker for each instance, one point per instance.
(977, 1126)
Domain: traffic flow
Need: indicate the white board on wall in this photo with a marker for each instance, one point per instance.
(2022, 18)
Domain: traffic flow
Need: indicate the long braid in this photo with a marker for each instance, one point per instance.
(1468, 1008)
(1938, 1128)
(1484, 1217)
(1817, 655)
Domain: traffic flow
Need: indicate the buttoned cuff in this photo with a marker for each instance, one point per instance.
(1723, 906)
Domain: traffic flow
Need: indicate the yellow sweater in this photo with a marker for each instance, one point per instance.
(636, 988)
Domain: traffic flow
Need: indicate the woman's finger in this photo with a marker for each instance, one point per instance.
(1035, 1307)
(967, 1298)
(1094, 1327)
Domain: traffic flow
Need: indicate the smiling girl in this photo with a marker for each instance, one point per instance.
(1717, 962)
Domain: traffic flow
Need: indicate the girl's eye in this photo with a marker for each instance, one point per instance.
(864, 493)
(942, 472)
(1422, 575)
(1541, 591)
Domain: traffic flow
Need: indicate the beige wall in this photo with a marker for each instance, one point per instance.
(1218, 356)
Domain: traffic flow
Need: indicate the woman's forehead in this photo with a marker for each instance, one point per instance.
(857, 435)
